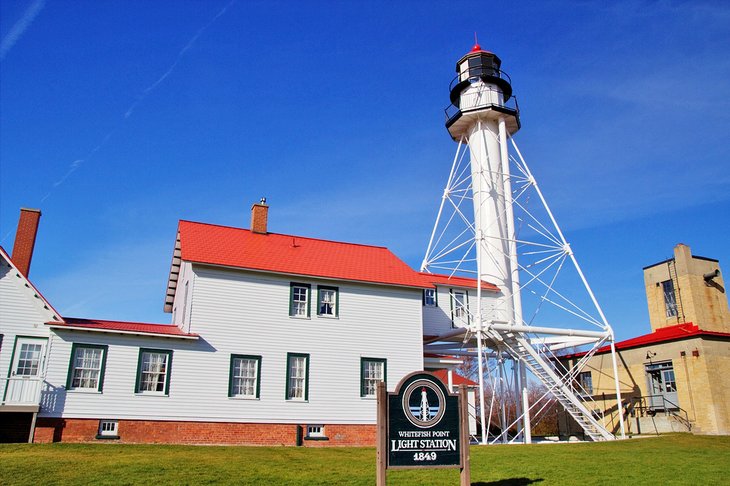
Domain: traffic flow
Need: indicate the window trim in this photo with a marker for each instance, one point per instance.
(466, 305)
(69, 377)
(289, 357)
(291, 299)
(168, 372)
(363, 360)
(321, 435)
(337, 300)
(435, 298)
(671, 309)
(582, 383)
(258, 376)
(100, 432)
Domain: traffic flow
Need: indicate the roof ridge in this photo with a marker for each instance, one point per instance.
(288, 235)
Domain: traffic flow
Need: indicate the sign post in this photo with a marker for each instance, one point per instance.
(422, 425)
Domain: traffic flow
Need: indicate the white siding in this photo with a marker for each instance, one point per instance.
(437, 320)
(22, 313)
(238, 312)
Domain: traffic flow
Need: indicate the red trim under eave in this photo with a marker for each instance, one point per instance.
(665, 334)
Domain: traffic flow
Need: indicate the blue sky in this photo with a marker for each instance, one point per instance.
(117, 119)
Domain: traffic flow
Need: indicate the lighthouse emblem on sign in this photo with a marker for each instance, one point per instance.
(424, 403)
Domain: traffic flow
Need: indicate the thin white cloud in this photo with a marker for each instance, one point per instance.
(17, 31)
(76, 164)
(179, 57)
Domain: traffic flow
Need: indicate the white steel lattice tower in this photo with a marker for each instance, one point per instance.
(482, 122)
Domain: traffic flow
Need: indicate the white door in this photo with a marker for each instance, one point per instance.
(26, 372)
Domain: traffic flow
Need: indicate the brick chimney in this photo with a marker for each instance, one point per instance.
(259, 217)
(25, 239)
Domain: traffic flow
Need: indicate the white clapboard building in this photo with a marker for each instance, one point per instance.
(275, 339)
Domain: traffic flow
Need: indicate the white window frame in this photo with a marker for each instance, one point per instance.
(237, 381)
(429, 300)
(108, 429)
(332, 303)
(369, 380)
(163, 371)
(315, 431)
(297, 377)
(80, 373)
(299, 308)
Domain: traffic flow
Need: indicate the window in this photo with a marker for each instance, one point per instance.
(297, 376)
(585, 380)
(429, 297)
(108, 429)
(244, 376)
(459, 308)
(670, 300)
(299, 300)
(315, 432)
(185, 302)
(372, 371)
(86, 369)
(153, 371)
(327, 301)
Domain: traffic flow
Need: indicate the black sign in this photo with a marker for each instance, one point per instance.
(423, 424)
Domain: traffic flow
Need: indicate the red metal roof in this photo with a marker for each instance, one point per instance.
(165, 330)
(294, 255)
(456, 379)
(456, 281)
(671, 333)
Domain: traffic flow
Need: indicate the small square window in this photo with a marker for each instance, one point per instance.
(314, 431)
(108, 429)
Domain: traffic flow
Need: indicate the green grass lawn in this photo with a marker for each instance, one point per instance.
(671, 459)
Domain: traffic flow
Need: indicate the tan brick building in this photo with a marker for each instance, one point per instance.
(677, 377)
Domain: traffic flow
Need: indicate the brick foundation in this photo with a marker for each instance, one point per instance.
(223, 433)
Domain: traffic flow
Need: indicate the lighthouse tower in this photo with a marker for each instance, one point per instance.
(489, 188)
(481, 118)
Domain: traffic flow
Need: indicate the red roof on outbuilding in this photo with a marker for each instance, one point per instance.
(165, 330)
(671, 333)
(456, 281)
(456, 379)
(294, 255)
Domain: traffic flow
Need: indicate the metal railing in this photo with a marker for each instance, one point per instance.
(22, 390)
(452, 111)
(478, 72)
(646, 406)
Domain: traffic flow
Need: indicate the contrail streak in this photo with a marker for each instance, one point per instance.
(20, 27)
(179, 57)
(76, 164)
